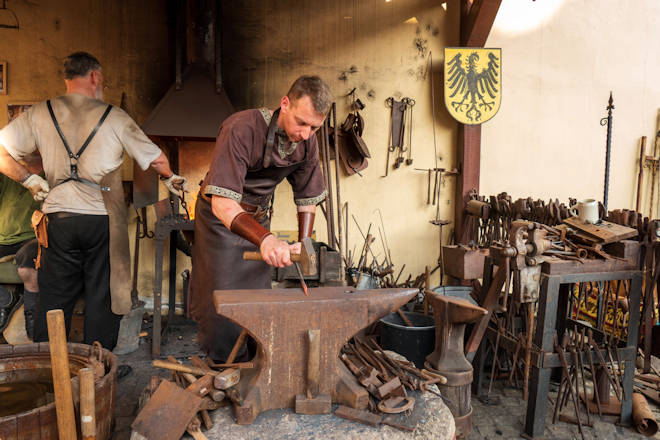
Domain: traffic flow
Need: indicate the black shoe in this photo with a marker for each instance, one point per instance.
(29, 324)
(10, 302)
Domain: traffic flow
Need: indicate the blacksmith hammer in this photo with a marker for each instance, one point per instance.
(306, 257)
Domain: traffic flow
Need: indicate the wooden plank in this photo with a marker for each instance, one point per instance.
(557, 266)
(358, 415)
(603, 232)
(167, 413)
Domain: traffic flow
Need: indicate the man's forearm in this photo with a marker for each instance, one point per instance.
(306, 208)
(162, 166)
(11, 168)
(225, 209)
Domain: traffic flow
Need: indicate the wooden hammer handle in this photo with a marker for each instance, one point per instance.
(256, 256)
(59, 358)
(87, 404)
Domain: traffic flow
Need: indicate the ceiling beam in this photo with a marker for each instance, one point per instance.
(477, 17)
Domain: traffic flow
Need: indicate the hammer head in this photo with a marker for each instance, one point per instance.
(308, 261)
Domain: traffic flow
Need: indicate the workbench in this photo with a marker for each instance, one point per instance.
(551, 318)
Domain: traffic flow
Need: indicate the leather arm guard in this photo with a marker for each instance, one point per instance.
(247, 227)
(305, 224)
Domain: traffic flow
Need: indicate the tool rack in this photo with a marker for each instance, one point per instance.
(552, 318)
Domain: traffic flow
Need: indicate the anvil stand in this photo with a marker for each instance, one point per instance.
(279, 321)
(451, 314)
(169, 223)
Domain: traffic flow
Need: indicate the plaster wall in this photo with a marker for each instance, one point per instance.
(561, 59)
(130, 39)
(381, 49)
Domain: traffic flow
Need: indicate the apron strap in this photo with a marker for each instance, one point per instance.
(270, 138)
(74, 166)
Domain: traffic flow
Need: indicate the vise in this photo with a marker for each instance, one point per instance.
(327, 273)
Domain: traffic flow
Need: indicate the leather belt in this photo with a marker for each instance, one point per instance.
(63, 214)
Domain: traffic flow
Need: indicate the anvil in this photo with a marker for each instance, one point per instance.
(279, 319)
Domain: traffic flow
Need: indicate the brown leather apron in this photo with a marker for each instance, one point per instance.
(217, 258)
(113, 198)
(120, 255)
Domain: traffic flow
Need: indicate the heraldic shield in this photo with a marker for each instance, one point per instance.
(473, 83)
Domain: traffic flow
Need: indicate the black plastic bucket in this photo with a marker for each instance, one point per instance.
(415, 343)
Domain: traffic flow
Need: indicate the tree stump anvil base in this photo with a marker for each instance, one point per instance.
(279, 319)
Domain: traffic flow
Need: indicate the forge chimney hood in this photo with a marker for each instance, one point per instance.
(193, 112)
(196, 104)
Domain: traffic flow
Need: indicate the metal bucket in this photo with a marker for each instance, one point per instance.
(415, 343)
(457, 291)
(31, 363)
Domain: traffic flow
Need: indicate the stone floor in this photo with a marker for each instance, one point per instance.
(435, 420)
(503, 418)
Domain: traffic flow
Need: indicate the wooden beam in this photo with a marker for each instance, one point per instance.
(468, 155)
(477, 17)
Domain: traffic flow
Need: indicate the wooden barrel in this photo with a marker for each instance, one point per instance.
(31, 362)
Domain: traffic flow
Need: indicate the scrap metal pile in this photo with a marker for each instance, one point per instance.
(386, 376)
(168, 408)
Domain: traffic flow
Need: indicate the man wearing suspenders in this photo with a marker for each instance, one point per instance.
(255, 150)
(81, 140)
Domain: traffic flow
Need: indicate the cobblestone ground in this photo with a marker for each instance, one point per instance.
(504, 418)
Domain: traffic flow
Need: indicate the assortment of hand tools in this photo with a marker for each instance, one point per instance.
(401, 115)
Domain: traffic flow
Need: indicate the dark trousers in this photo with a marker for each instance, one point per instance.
(77, 263)
(11, 249)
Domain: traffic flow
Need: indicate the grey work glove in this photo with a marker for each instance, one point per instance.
(37, 186)
(175, 184)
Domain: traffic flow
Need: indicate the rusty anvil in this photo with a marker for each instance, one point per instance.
(279, 320)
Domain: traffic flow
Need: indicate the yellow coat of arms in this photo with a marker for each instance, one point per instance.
(473, 84)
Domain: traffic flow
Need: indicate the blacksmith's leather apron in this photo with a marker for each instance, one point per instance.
(217, 256)
(113, 198)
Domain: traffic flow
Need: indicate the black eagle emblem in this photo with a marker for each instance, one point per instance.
(473, 88)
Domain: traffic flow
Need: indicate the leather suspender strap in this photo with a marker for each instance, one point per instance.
(89, 138)
(270, 138)
(76, 156)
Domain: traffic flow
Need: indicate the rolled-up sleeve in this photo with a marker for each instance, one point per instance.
(230, 161)
(307, 181)
(18, 138)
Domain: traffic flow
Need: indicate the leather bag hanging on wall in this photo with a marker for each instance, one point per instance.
(353, 149)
